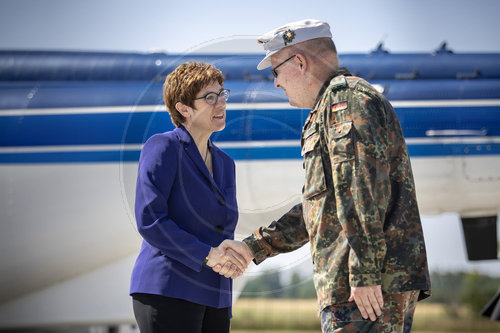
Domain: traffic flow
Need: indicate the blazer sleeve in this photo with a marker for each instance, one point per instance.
(157, 169)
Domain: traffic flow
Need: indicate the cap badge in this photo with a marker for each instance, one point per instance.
(288, 36)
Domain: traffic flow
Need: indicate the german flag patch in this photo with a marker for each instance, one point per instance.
(339, 106)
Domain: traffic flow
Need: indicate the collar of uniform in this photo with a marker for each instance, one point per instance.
(334, 81)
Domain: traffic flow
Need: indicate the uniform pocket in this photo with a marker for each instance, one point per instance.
(342, 143)
(314, 174)
(346, 317)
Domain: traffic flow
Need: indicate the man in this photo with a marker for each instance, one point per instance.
(359, 208)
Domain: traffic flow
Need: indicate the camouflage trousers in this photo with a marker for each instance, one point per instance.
(397, 316)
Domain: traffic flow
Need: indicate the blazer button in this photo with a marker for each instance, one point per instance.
(222, 202)
(219, 229)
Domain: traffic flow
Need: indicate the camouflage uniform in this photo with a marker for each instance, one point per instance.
(397, 316)
(359, 208)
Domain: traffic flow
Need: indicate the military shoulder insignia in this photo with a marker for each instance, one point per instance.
(337, 82)
(288, 36)
(338, 106)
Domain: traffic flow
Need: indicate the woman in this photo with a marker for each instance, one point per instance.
(185, 206)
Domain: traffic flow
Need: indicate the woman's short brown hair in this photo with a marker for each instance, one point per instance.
(184, 83)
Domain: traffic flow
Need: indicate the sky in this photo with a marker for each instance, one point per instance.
(233, 26)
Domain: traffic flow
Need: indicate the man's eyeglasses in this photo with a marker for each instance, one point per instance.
(273, 70)
(211, 98)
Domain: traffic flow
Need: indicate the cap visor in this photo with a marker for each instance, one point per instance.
(266, 62)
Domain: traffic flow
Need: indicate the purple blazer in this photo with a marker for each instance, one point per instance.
(181, 212)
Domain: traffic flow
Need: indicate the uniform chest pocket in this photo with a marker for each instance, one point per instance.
(341, 142)
(314, 174)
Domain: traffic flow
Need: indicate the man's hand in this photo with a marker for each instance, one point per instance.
(234, 263)
(369, 301)
(232, 247)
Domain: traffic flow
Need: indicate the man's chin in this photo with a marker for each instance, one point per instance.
(295, 104)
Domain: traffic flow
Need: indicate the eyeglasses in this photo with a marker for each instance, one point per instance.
(211, 98)
(273, 70)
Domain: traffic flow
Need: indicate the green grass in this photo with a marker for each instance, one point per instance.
(283, 314)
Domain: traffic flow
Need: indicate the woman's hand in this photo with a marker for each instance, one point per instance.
(234, 264)
(239, 249)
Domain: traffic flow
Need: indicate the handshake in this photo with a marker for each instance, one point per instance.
(230, 258)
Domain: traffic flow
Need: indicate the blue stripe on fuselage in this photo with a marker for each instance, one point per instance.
(244, 126)
(241, 125)
(238, 154)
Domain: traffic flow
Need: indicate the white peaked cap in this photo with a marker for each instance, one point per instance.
(290, 34)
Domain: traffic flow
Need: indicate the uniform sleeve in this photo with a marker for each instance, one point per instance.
(360, 171)
(285, 235)
(156, 174)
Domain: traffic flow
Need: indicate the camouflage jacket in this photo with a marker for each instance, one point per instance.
(359, 208)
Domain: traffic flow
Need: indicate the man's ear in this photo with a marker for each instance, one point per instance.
(183, 109)
(302, 62)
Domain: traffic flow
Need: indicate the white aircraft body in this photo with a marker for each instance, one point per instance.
(72, 125)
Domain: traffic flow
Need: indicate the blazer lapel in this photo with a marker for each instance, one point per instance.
(217, 165)
(194, 155)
